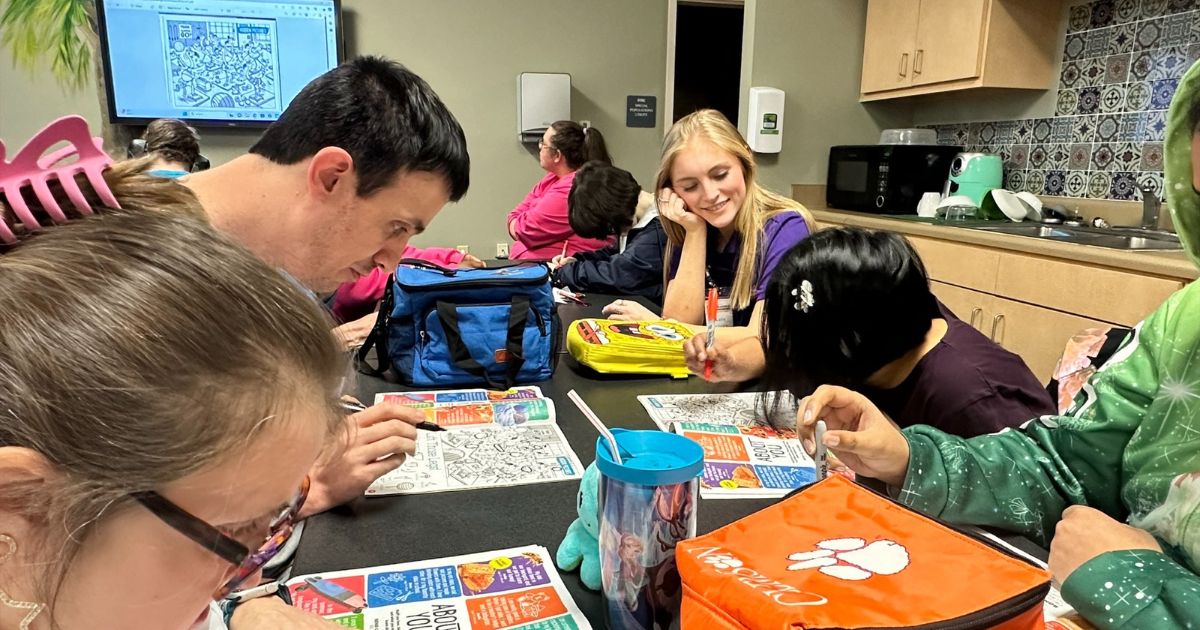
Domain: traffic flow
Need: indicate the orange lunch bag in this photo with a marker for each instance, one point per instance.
(836, 555)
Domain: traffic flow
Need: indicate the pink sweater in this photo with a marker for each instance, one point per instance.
(355, 299)
(539, 223)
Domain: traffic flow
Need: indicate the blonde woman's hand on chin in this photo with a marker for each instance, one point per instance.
(671, 207)
(629, 311)
(861, 436)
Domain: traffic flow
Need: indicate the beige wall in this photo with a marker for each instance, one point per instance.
(471, 52)
(30, 100)
(812, 50)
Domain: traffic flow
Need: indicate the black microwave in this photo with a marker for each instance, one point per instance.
(886, 178)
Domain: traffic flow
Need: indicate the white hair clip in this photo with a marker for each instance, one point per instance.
(804, 296)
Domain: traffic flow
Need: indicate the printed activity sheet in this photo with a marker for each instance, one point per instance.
(492, 439)
(744, 457)
(510, 588)
(748, 462)
(742, 409)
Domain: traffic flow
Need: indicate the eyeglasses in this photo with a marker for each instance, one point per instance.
(220, 543)
(542, 144)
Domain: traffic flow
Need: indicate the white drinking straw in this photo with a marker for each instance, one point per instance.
(591, 416)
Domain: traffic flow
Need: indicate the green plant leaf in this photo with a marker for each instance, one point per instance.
(59, 32)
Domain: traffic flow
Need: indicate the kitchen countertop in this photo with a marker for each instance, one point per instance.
(1166, 264)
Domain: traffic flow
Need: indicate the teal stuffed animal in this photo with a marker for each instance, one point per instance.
(581, 546)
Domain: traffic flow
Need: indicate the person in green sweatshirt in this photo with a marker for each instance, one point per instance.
(1113, 487)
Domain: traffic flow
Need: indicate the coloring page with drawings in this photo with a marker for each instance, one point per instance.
(485, 445)
(741, 409)
(744, 456)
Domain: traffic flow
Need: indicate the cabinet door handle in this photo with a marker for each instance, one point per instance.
(996, 321)
(917, 61)
(976, 312)
(904, 65)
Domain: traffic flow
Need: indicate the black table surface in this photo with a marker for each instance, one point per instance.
(406, 528)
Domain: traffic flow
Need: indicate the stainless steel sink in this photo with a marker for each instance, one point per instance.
(1114, 238)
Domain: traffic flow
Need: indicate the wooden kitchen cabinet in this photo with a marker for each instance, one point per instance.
(970, 306)
(1031, 304)
(958, 264)
(917, 47)
(888, 59)
(1037, 335)
(1111, 295)
(948, 36)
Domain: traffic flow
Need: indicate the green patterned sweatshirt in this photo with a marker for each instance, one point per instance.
(1130, 447)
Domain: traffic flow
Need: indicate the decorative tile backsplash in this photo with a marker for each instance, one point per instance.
(1121, 64)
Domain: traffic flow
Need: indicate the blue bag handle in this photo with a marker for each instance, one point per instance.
(460, 354)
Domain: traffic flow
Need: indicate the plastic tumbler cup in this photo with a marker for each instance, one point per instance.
(647, 505)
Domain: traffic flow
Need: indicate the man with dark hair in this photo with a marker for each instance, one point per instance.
(605, 200)
(362, 159)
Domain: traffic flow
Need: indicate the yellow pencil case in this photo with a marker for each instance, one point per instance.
(613, 347)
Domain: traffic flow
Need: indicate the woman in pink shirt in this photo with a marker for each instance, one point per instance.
(354, 303)
(538, 225)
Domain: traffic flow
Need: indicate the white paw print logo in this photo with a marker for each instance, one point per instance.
(723, 561)
(853, 558)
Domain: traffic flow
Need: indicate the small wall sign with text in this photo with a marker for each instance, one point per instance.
(641, 111)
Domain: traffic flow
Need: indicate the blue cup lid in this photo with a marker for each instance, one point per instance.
(658, 458)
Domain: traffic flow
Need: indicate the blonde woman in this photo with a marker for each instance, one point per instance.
(724, 231)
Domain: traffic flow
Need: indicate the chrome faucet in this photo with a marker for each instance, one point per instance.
(1151, 207)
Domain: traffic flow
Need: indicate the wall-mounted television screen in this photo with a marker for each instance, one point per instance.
(213, 62)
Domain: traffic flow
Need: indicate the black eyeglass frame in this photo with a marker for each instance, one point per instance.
(225, 547)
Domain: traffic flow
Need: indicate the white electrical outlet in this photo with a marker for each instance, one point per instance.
(501, 250)
(464, 249)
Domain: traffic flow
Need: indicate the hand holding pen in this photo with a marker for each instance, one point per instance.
(821, 452)
(376, 441)
(710, 322)
(350, 406)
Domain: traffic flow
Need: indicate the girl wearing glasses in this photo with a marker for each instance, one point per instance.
(539, 225)
(164, 394)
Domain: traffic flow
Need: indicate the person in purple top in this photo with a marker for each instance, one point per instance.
(724, 231)
(851, 307)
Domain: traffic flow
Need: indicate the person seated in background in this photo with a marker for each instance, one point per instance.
(539, 225)
(164, 391)
(354, 304)
(175, 148)
(852, 307)
(1113, 486)
(724, 231)
(361, 160)
(172, 144)
(606, 201)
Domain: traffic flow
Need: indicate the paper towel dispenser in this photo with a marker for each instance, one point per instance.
(542, 99)
(764, 131)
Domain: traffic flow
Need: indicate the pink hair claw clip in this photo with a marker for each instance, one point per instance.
(35, 167)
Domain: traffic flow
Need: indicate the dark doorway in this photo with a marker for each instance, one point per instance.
(708, 59)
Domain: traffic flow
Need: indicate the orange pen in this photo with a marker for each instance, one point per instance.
(710, 313)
